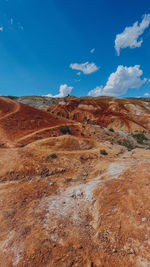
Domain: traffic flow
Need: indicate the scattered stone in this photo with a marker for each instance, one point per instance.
(114, 250)
(51, 183)
(131, 251)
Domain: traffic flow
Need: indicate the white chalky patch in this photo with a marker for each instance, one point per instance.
(70, 203)
(116, 168)
(143, 262)
(9, 245)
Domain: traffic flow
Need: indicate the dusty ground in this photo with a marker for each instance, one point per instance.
(80, 199)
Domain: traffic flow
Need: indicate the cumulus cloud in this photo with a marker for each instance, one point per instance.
(92, 50)
(64, 90)
(130, 36)
(120, 81)
(146, 94)
(86, 68)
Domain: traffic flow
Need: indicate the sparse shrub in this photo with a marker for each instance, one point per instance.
(34, 137)
(111, 130)
(68, 180)
(82, 157)
(12, 97)
(103, 152)
(54, 156)
(140, 137)
(51, 156)
(64, 129)
(128, 144)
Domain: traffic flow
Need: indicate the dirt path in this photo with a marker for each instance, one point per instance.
(15, 109)
(41, 130)
(3, 135)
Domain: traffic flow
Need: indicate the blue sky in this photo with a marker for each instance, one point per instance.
(39, 40)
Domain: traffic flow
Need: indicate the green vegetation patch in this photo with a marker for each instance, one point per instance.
(111, 130)
(128, 144)
(103, 152)
(51, 156)
(68, 180)
(64, 129)
(140, 137)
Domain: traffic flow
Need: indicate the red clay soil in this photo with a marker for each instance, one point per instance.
(79, 199)
(8, 107)
(20, 121)
(107, 112)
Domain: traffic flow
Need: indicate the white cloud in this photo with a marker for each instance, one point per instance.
(98, 91)
(64, 90)
(1, 29)
(79, 73)
(130, 36)
(92, 50)
(86, 68)
(146, 94)
(120, 81)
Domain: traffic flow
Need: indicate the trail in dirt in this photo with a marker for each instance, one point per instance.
(3, 135)
(41, 130)
(15, 109)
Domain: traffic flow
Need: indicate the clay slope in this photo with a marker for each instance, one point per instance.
(25, 124)
(78, 197)
(124, 114)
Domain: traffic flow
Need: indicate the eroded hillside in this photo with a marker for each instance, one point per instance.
(74, 183)
(123, 114)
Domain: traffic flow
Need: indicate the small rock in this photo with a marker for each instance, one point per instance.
(51, 183)
(131, 251)
(85, 173)
(114, 250)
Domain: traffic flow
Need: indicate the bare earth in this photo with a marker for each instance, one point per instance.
(75, 199)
